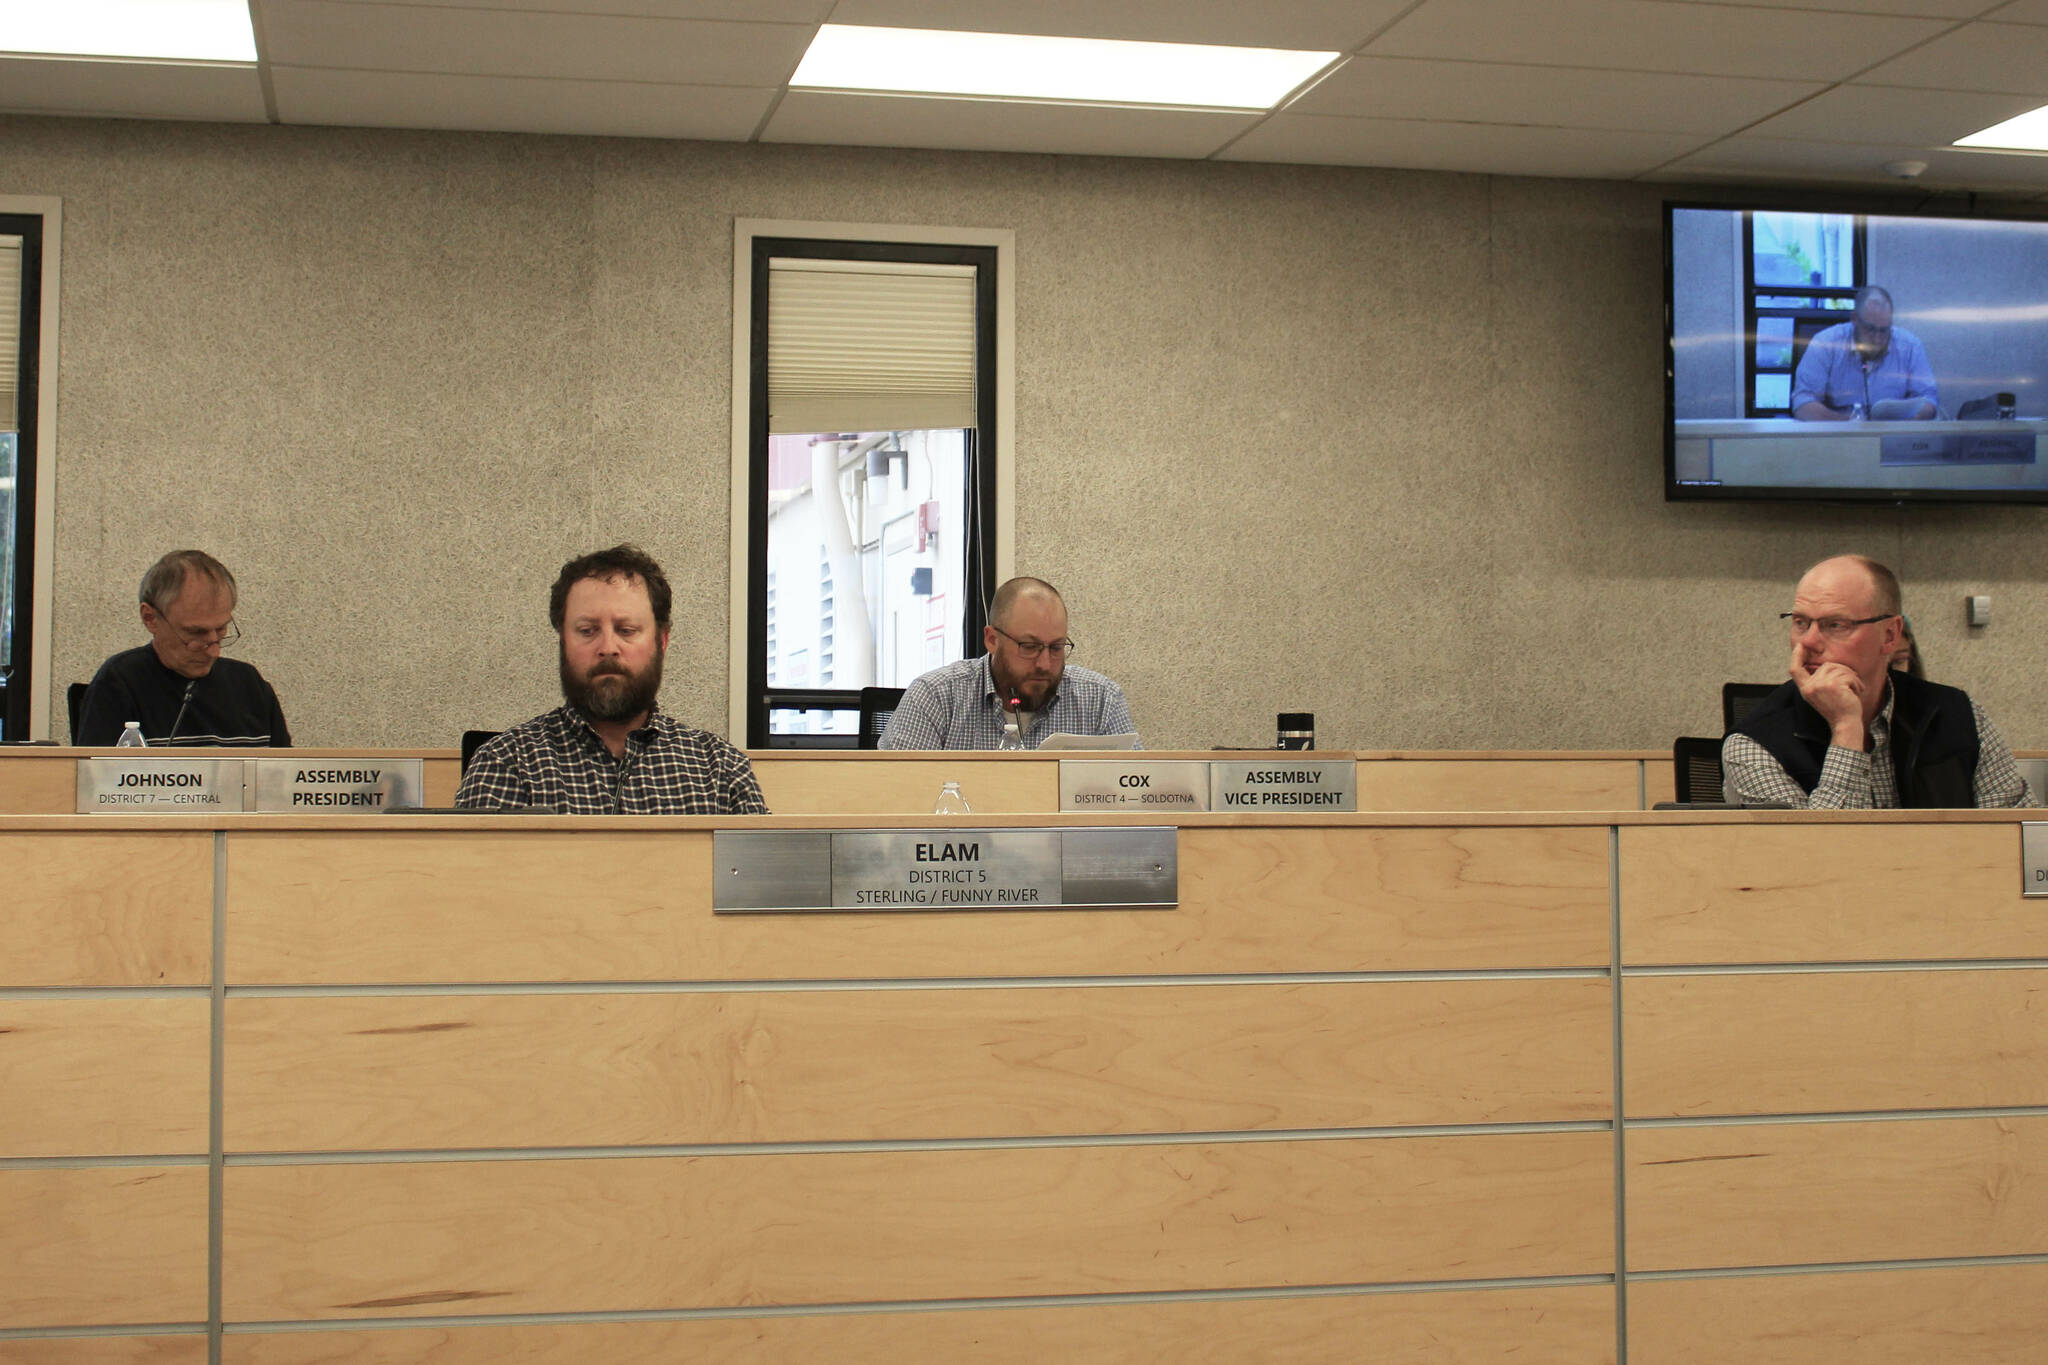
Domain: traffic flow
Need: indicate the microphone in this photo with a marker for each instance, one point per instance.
(182, 705)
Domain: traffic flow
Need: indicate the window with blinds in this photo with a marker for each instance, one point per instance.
(871, 475)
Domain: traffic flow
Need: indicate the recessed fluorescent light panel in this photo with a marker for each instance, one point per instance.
(2027, 132)
(167, 30)
(1070, 70)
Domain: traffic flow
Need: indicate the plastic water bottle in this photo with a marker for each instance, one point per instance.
(131, 737)
(1012, 737)
(951, 802)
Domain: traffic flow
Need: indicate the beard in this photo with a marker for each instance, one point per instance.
(1037, 693)
(611, 692)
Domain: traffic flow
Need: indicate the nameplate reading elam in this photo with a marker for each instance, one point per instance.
(2034, 858)
(1092, 784)
(1280, 784)
(812, 871)
(159, 786)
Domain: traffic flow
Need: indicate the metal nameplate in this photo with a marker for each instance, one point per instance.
(331, 786)
(2034, 858)
(159, 786)
(1134, 784)
(809, 871)
(1284, 784)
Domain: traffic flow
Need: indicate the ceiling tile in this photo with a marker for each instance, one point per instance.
(1869, 113)
(999, 125)
(172, 90)
(2011, 58)
(1650, 35)
(1549, 96)
(1310, 25)
(1784, 158)
(513, 104)
(1491, 149)
(334, 33)
(759, 11)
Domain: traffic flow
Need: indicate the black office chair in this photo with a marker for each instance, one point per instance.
(74, 702)
(877, 704)
(1696, 769)
(472, 740)
(1739, 699)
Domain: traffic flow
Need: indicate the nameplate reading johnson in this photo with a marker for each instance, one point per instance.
(820, 871)
(159, 786)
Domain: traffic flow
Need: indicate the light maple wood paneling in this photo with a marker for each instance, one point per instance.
(375, 906)
(439, 777)
(1480, 785)
(402, 1238)
(103, 1244)
(1659, 783)
(163, 1349)
(897, 786)
(101, 1077)
(1806, 1193)
(366, 1073)
(38, 783)
(1946, 1315)
(114, 909)
(1838, 893)
(1821, 1042)
(1563, 1326)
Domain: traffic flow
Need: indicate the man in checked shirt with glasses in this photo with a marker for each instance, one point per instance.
(1848, 733)
(1022, 685)
(609, 749)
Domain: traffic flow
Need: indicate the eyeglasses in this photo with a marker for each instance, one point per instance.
(202, 637)
(1832, 627)
(1031, 649)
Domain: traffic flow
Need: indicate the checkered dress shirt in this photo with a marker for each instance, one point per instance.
(557, 760)
(956, 707)
(1851, 779)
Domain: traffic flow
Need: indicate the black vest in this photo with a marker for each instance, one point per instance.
(1933, 740)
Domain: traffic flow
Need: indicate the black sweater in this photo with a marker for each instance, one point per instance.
(230, 705)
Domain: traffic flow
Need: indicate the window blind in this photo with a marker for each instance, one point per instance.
(10, 328)
(869, 345)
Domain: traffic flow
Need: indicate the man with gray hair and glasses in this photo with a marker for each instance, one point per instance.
(1849, 733)
(1019, 693)
(178, 685)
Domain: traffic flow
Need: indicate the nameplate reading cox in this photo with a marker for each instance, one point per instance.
(159, 786)
(815, 871)
(2034, 858)
(1140, 784)
(1278, 784)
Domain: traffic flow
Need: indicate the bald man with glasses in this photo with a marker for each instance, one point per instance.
(1849, 733)
(1021, 687)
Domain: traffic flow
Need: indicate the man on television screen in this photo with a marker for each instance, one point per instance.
(1865, 368)
(1849, 732)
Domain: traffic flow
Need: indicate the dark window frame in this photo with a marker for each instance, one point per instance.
(1752, 312)
(983, 456)
(18, 669)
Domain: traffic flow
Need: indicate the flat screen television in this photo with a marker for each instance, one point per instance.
(1854, 356)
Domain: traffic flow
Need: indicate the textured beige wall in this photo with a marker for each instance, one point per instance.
(1382, 445)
